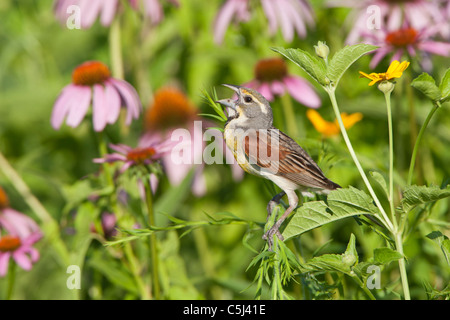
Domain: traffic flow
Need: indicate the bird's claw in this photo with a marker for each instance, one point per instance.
(268, 236)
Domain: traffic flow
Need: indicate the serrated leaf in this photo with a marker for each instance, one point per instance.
(335, 262)
(426, 84)
(351, 201)
(386, 255)
(309, 63)
(416, 195)
(344, 58)
(342, 203)
(444, 87)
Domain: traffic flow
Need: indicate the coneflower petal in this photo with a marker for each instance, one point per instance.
(130, 97)
(108, 12)
(99, 112)
(79, 106)
(113, 102)
(62, 106)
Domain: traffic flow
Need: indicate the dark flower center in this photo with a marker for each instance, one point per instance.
(139, 155)
(268, 70)
(90, 73)
(402, 37)
(170, 109)
(9, 243)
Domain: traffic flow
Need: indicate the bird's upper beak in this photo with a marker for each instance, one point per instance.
(232, 87)
(229, 102)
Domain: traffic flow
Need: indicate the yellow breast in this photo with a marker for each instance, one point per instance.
(234, 143)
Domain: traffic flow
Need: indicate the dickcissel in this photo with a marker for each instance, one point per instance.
(263, 150)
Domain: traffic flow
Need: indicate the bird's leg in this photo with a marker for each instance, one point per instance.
(271, 206)
(272, 203)
(293, 202)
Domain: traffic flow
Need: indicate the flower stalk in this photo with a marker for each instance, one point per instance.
(11, 279)
(436, 106)
(289, 115)
(384, 218)
(115, 50)
(153, 240)
(387, 96)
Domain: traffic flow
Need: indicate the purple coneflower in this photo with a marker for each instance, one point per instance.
(14, 222)
(407, 40)
(272, 79)
(92, 83)
(135, 156)
(90, 10)
(169, 111)
(20, 249)
(392, 14)
(21, 233)
(291, 15)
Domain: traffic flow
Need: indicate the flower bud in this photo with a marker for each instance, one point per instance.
(322, 50)
(386, 86)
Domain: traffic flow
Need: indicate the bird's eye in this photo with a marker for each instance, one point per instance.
(248, 99)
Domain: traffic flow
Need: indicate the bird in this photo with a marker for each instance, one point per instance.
(265, 151)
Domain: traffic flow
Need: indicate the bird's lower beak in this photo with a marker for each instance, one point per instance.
(227, 103)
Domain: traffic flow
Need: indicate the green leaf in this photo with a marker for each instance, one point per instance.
(426, 84)
(443, 241)
(416, 195)
(351, 201)
(386, 255)
(336, 262)
(344, 58)
(211, 100)
(113, 271)
(378, 177)
(445, 86)
(342, 203)
(309, 63)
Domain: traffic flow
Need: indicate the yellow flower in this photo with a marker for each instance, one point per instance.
(395, 70)
(332, 128)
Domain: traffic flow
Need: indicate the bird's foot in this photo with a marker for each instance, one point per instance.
(268, 236)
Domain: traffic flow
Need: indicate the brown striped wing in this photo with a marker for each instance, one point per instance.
(279, 154)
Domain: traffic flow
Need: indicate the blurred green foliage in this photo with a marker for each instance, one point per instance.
(210, 261)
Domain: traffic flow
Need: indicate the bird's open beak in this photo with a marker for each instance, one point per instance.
(229, 102)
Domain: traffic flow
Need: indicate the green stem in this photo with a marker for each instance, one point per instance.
(153, 244)
(115, 49)
(402, 265)
(384, 218)
(23, 189)
(418, 140)
(387, 96)
(398, 234)
(277, 287)
(134, 268)
(363, 286)
(11, 279)
(412, 119)
(289, 115)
